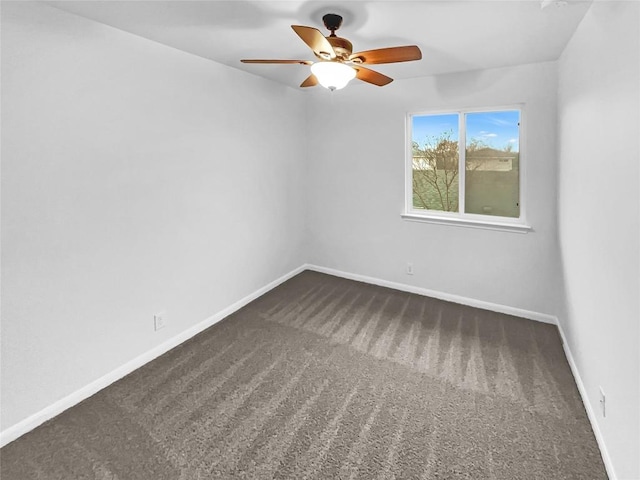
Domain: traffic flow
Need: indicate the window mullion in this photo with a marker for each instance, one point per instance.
(461, 161)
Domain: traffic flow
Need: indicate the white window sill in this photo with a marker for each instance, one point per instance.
(467, 222)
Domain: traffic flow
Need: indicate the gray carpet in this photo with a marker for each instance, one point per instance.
(329, 378)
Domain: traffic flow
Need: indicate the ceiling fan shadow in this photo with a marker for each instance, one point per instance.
(355, 15)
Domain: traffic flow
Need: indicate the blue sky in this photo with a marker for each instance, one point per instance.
(495, 129)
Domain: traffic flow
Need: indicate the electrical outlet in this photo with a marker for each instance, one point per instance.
(603, 405)
(409, 268)
(159, 321)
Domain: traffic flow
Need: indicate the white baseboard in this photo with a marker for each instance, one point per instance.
(472, 302)
(591, 413)
(47, 413)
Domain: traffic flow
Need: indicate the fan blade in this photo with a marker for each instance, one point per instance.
(314, 38)
(310, 81)
(371, 76)
(388, 55)
(301, 62)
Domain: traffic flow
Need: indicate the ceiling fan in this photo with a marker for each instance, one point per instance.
(337, 64)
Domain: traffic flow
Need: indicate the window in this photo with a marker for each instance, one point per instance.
(464, 168)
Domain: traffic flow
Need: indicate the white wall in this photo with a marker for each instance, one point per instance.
(599, 218)
(356, 183)
(135, 179)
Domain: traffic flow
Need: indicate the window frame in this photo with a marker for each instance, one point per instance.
(474, 220)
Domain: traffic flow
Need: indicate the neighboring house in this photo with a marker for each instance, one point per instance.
(485, 159)
(492, 160)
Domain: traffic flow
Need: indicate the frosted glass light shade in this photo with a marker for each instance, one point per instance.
(333, 75)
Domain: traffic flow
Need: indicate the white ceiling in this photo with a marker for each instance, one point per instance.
(453, 35)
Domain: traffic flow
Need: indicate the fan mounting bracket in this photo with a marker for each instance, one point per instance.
(332, 21)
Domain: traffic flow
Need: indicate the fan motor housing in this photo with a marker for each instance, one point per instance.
(341, 46)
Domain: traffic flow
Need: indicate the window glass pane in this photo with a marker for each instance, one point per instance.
(435, 162)
(492, 161)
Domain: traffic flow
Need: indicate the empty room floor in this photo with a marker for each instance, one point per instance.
(324, 377)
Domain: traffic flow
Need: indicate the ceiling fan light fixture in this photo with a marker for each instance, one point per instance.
(338, 64)
(333, 75)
